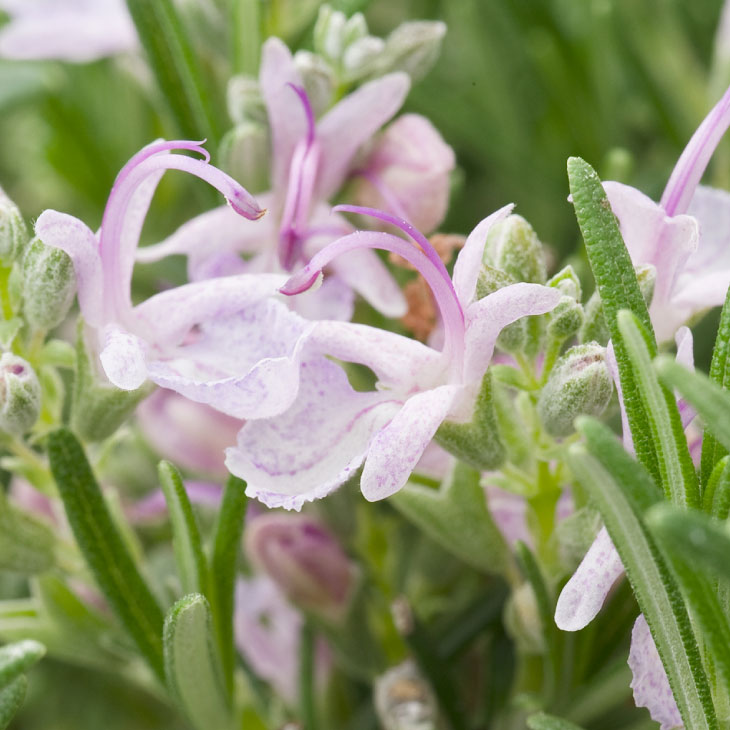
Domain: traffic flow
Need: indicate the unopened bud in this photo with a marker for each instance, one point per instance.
(567, 282)
(20, 394)
(566, 319)
(413, 47)
(244, 154)
(579, 384)
(404, 700)
(244, 100)
(646, 276)
(318, 79)
(329, 33)
(13, 231)
(491, 279)
(513, 247)
(305, 560)
(49, 285)
(522, 619)
(361, 58)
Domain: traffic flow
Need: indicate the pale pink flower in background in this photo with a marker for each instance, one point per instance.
(66, 30)
(311, 160)
(686, 236)
(225, 343)
(331, 429)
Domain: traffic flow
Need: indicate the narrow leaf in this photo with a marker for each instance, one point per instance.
(456, 516)
(11, 700)
(712, 451)
(716, 497)
(697, 588)
(191, 563)
(192, 664)
(618, 288)
(103, 547)
(710, 401)
(226, 546)
(16, 658)
(177, 70)
(675, 463)
(656, 590)
(543, 721)
(26, 544)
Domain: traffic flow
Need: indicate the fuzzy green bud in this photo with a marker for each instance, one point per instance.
(513, 247)
(244, 154)
(512, 338)
(318, 79)
(244, 100)
(13, 231)
(522, 620)
(49, 285)
(566, 319)
(404, 700)
(579, 384)
(567, 282)
(334, 32)
(413, 47)
(20, 395)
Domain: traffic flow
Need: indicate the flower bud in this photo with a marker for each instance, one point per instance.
(329, 32)
(244, 100)
(522, 619)
(318, 79)
(567, 282)
(361, 58)
(244, 154)
(305, 560)
(413, 47)
(413, 163)
(404, 700)
(13, 231)
(566, 319)
(579, 384)
(20, 394)
(513, 247)
(49, 285)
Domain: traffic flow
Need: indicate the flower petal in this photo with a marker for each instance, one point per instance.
(76, 239)
(584, 594)
(487, 317)
(123, 358)
(316, 445)
(351, 123)
(396, 449)
(469, 261)
(650, 683)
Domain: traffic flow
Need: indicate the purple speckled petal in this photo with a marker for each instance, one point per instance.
(685, 356)
(76, 239)
(487, 317)
(469, 260)
(316, 445)
(396, 449)
(584, 594)
(650, 683)
(334, 300)
(78, 31)
(123, 358)
(351, 123)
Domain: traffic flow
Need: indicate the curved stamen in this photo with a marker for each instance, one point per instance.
(127, 207)
(436, 277)
(691, 165)
(302, 178)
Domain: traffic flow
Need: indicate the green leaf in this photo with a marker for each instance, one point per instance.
(245, 36)
(456, 516)
(16, 658)
(543, 721)
(655, 588)
(712, 451)
(710, 401)
(103, 547)
(26, 544)
(699, 591)
(716, 497)
(192, 664)
(175, 65)
(226, 547)
(675, 463)
(191, 563)
(618, 288)
(11, 700)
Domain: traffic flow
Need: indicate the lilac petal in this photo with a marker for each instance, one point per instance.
(76, 239)
(584, 594)
(316, 445)
(612, 366)
(287, 121)
(685, 356)
(76, 32)
(650, 683)
(469, 261)
(245, 365)
(334, 300)
(510, 515)
(351, 123)
(189, 434)
(396, 360)
(487, 317)
(691, 165)
(396, 449)
(153, 505)
(123, 358)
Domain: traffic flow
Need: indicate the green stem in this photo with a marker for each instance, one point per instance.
(307, 701)
(7, 307)
(246, 41)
